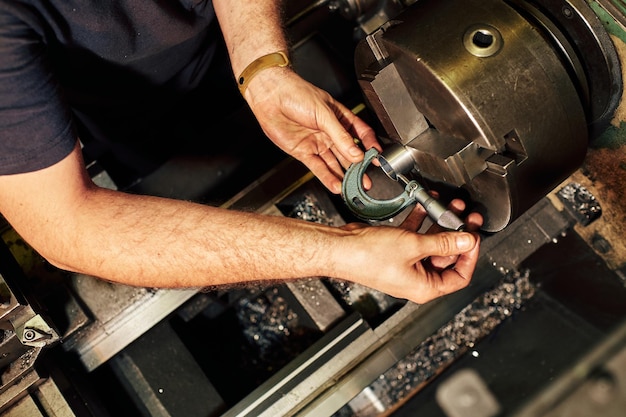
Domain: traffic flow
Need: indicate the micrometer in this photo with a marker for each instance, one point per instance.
(367, 207)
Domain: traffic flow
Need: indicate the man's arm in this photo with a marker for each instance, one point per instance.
(301, 119)
(157, 242)
(143, 240)
(251, 29)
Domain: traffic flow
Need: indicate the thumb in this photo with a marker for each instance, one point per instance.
(447, 243)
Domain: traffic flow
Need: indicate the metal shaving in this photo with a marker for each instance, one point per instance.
(272, 330)
(580, 203)
(309, 210)
(367, 301)
(270, 326)
(457, 337)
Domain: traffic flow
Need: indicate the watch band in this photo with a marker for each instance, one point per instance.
(275, 59)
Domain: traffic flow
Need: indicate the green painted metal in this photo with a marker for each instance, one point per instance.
(609, 21)
(367, 207)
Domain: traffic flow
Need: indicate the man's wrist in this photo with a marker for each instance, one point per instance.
(275, 59)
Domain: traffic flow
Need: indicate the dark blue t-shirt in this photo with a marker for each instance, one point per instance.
(105, 70)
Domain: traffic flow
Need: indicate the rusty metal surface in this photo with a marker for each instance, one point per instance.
(603, 174)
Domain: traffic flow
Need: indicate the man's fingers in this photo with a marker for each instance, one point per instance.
(466, 263)
(474, 221)
(358, 131)
(447, 243)
(342, 140)
(320, 169)
(459, 276)
(440, 263)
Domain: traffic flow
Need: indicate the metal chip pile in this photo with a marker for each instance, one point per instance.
(309, 210)
(273, 331)
(454, 339)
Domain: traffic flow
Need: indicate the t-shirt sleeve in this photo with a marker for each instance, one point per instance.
(35, 124)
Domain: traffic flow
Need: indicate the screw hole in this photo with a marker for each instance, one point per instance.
(482, 39)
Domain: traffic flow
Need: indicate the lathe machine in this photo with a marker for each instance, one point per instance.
(513, 106)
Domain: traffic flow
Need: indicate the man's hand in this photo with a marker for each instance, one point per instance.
(309, 124)
(417, 267)
(300, 118)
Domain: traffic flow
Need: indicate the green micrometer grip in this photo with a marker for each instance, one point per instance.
(363, 205)
(369, 208)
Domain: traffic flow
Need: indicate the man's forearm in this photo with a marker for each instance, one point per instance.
(154, 242)
(251, 29)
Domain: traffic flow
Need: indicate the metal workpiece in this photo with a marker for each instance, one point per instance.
(396, 160)
(493, 97)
